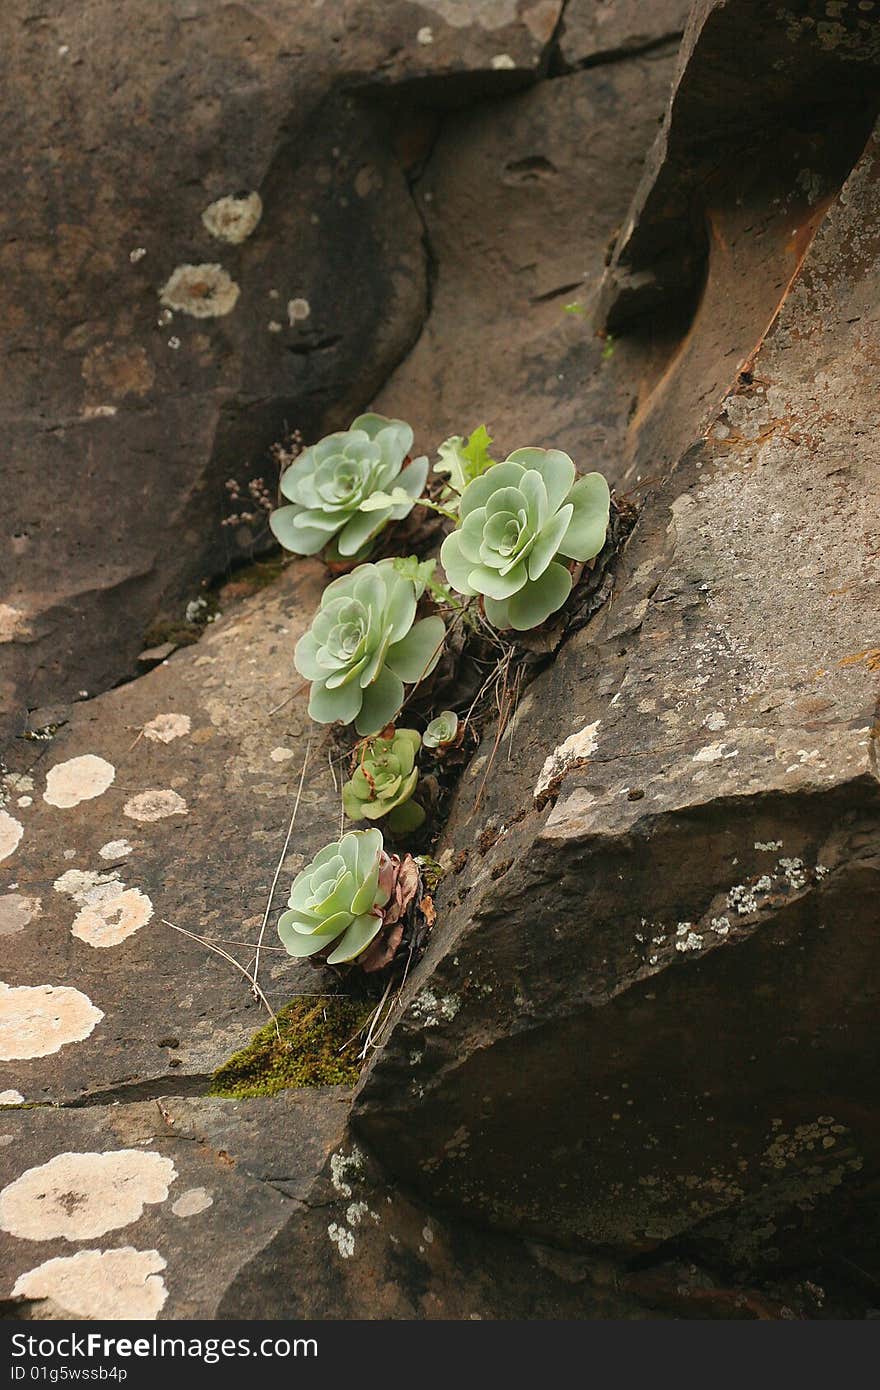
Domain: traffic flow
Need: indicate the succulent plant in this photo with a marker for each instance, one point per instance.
(350, 893)
(364, 644)
(465, 461)
(514, 521)
(338, 897)
(442, 730)
(337, 489)
(384, 780)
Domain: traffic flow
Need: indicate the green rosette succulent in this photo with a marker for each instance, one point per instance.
(338, 489)
(514, 522)
(384, 780)
(442, 730)
(338, 897)
(363, 646)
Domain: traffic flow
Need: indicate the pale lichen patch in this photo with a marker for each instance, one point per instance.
(111, 1284)
(78, 1196)
(114, 920)
(576, 749)
(192, 1202)
(297, 310)
(233, 219)
(37, 1020)
(11, 1098)
(115, 849)
(13, 623)
(154, 805)
(78, 779)
(11, 831)
(167, 727)
(202, 291)
(342, 1238)
(16, 911)
(345, 1166)
(87, 887)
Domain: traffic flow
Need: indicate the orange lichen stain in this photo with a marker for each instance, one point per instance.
(871, 658)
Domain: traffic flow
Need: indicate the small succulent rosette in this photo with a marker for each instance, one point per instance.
(520, 523)
(351, 903)
(383, 782)
(364, 645)
(343, 490)
(442, 731)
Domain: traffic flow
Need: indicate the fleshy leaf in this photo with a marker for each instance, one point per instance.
(535, 601)
(418, 653)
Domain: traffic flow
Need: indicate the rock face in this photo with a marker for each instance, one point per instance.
(637, 1064)
(648, 1015)
(597, 31)
(211, 240)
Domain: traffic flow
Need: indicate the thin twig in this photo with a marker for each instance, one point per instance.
(218, 950)
(281, 858)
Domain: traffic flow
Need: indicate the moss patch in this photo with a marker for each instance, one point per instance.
(317, 1048)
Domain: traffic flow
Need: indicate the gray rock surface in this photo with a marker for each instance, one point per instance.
(308, 288)
(598, 31)
(663, 955)
(636, 1070)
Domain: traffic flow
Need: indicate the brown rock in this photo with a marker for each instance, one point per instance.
(658, 1024)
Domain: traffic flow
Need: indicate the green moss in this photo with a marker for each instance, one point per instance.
(317, 1048)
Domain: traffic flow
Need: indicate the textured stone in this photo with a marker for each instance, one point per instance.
(152, 357)
(248, 1209)
(596, 31)
(189, 830)
(519, 210)
(652, 1000)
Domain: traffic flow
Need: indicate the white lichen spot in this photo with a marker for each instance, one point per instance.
(98, 412)
(281, 755)
(297, 310)
(575, 750)
(356, 1213)
(233, 219)
(98, 1284)
(502, 62)
(77, 1196)
(202, 291)
(427, 1235)
(11, 831)
(274, 326)
(720, 925)
(174, 343)
(792, 870)
(167, 727)
(137, 254)
(87, 887)
(345, 1166)
(768, 846)
(115, 849)
(192, 1202)
(710, 754)
(113, 920)
(13, 623)
(37, 1020)
(11, 1098)
(78, 779)
(425, 35)
(690, 942)
(716, 720)
(25, 801)
(342, 1238)
(431, 1010)
(155, 805)
(17, 909)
